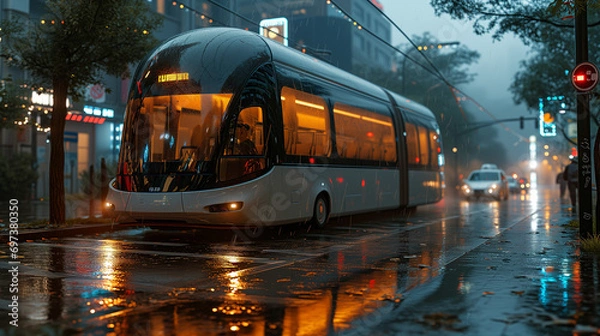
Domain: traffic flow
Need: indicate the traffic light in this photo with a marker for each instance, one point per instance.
(522, 122)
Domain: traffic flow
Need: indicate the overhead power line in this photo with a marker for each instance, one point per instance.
(454, 89)
(432, 69)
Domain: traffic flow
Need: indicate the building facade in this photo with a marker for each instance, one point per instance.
(94, 123)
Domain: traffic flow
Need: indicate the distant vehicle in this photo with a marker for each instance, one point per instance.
(486, 182)
(523, 184)
(489, 166)
(326, 143)
(513, 185)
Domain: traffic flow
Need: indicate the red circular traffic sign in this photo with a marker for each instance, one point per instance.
(585, 76)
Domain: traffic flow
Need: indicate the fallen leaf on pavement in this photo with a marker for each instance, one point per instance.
(354, 292)
(387, 297)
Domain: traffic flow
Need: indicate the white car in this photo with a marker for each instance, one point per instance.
(486, 183)
(513, 185)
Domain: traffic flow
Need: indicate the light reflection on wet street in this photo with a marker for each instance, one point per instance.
(277, 281)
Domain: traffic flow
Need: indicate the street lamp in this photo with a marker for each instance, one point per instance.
(422, 48)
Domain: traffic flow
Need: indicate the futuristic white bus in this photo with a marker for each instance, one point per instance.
(325, 143)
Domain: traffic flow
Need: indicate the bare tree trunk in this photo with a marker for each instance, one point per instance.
(57, 152)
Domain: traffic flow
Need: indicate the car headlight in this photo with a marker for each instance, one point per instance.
(493, 188)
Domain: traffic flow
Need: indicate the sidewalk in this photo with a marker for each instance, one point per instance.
(531, 279)
(35, 211)
(49, 233)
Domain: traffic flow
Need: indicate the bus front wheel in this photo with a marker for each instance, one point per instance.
(320, 212)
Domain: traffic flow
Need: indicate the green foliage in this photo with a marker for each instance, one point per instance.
(573, 223)
(528, 20)
(13, 100)
(75, 43)
(591, 244)
(17, 176)
(81, 40)
(549, 28)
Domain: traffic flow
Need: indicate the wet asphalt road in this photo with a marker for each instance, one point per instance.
(279, 281)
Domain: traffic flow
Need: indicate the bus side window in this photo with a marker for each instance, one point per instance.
(290, 122)
(424, 145)
(244, 154)
(253, 118)
(305, 123)
(363, 134)
(412, 144)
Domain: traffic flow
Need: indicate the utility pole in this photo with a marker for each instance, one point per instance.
(584, 189)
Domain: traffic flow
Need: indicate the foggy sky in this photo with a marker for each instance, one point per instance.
(498, 62)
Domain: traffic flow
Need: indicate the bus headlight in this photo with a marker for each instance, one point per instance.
(224, 207)
(109, 209)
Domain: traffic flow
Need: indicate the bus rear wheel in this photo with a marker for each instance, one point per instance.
(320, 212)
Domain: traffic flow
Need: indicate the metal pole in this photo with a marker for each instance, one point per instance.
(92, 191)
(584, 188)
(34, 163)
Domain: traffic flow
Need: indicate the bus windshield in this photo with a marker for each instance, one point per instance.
(170, 134)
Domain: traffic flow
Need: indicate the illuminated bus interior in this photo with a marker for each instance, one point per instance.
(305, 124)
(171, 134)
(363, 134)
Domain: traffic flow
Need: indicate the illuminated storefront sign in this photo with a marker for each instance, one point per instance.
(99, 111)
(88, 119)
(44, 99)
(95, 93)
(275, 29)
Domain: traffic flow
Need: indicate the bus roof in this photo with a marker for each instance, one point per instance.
(234, 53)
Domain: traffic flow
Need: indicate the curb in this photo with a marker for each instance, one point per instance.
(31, 234)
